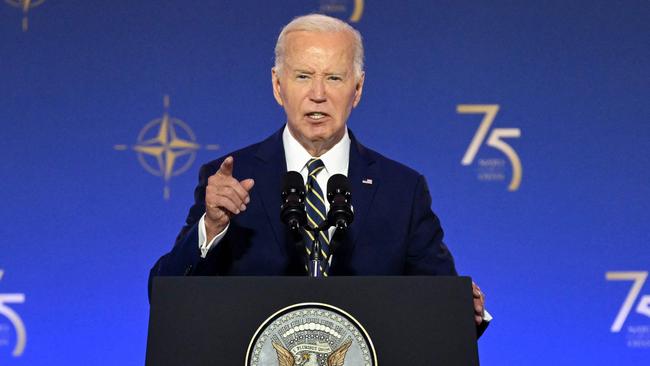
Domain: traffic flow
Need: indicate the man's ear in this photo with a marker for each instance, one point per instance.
(359, 89)
(277, 91)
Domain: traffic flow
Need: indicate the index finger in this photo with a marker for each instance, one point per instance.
(476, 291)
(227, 166)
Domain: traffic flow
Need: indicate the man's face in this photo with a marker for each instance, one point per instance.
(317, 87)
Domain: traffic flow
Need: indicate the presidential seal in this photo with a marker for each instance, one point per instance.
(311, 334)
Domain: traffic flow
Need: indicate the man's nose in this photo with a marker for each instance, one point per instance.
(317, 93)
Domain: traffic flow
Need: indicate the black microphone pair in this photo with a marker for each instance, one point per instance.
(292, 211)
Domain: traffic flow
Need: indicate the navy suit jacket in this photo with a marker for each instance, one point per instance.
(394, 230)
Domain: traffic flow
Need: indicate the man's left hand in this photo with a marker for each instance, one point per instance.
(479, 304)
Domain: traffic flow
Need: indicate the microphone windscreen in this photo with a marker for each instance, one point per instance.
(337, 182)
(293, 181)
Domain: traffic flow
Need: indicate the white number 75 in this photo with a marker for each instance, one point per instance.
(14, 318)
(495, 139)
(644, 305)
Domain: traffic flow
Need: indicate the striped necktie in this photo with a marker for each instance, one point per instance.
(316, 213)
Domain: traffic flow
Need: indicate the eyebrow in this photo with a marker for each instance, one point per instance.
(301, 71)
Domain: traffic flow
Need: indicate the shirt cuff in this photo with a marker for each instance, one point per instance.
(204, 246)
(487, 316)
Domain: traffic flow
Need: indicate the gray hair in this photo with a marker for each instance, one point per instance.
(319, 23)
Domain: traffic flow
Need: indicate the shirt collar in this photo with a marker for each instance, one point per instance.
(336, 159)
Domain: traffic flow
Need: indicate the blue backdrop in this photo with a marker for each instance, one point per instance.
(90, 197)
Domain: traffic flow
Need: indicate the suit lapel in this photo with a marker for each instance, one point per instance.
(271, 167)
(364, 180)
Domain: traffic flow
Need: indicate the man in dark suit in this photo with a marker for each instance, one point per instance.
(234, 226)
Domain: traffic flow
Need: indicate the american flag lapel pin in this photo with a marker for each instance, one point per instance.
(367, 181)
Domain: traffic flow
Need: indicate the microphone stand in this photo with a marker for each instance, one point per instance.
(314, 262)
(315, 269)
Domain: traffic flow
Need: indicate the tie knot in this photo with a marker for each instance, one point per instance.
(314, 166)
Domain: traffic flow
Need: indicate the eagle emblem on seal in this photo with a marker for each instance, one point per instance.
(286, 358)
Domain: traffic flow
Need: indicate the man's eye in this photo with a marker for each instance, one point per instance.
(302, 77)
(335, 78)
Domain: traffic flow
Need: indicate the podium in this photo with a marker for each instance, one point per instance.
(256, 320)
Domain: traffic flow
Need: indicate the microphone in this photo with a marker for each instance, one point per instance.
(339, 197)
(292, 210)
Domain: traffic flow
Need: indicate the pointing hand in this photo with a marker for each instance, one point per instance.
(225, 197)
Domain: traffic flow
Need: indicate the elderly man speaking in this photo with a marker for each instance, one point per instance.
(234, 228)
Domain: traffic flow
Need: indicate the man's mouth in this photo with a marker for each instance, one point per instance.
(317, 115)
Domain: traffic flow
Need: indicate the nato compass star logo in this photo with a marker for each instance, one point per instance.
(166, 147)
(25, 5)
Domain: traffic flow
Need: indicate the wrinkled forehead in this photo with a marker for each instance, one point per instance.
(321, 50)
